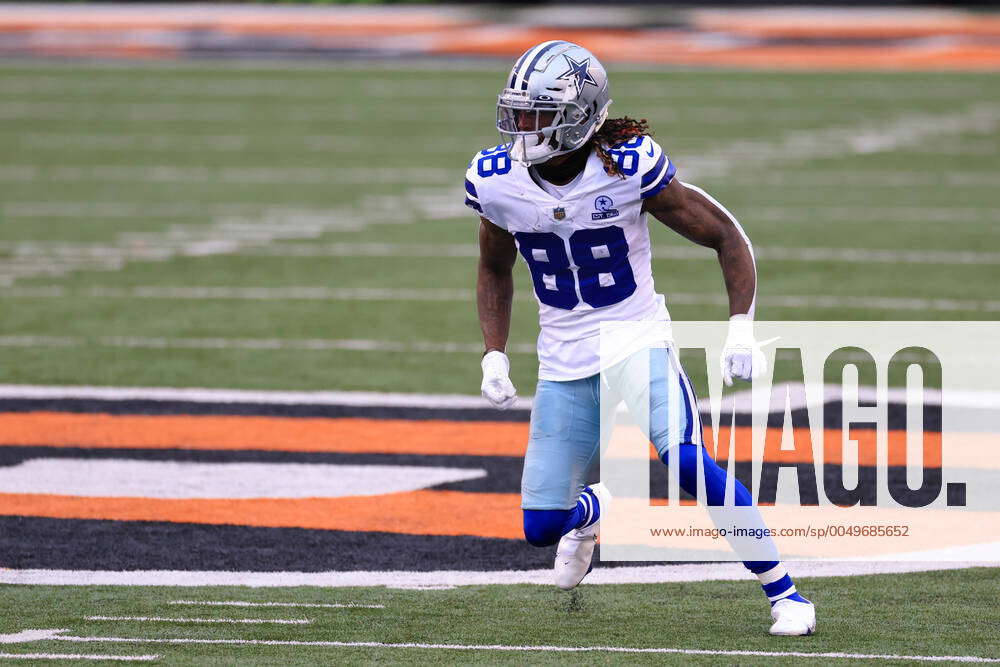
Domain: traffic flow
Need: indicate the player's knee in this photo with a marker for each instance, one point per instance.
(543, 528)
(686, 456)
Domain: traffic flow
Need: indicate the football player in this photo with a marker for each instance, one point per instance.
(569, 189)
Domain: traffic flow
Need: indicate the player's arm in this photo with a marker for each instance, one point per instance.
(696, 216)
(494, 298)
(690, 212)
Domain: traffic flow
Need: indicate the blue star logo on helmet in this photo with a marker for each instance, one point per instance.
(578, 70)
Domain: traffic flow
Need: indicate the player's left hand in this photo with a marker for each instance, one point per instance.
(741, 355)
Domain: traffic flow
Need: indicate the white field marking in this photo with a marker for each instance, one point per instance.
(874, 214)
(30, 209)
(284, 90)
(348, 398)
(29, 636)
(253, 293)
(118, 209)
(240, 603)
(60, 141)
(420, 295)
(233, 229)
(226, 237)
(79, 656)
(263, 174)
(870, 178)
(527, 648)
(794, 93)
(685, 252)
(830, 392)
(648, 574)
(55, 250)
(909, 129)
(183, 619)
(132, 111)
(201, 112)
(309, 344)
(130, 478)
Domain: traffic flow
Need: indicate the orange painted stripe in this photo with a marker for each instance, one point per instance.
(350, 435)
(414, 512)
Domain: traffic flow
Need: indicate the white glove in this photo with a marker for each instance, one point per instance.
(497, 387)
(741, 355)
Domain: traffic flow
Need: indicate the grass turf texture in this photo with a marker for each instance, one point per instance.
(386, 149)
(935, 613)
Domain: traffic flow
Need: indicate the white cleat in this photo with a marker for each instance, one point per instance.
(576, 548)
(792, 618)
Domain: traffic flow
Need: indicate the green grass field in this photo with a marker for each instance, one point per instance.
(260, 227)
(868, 196)
(929, 614)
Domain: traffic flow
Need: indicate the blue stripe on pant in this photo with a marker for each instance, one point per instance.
(566, 421)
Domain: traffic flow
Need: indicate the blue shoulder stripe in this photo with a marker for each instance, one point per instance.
(664, 182)
(534, 61)
(471, 189)
(471, 203)
(650, 175)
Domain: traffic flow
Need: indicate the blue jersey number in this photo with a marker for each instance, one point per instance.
(605, 275)
(627, 158)
(493, 161)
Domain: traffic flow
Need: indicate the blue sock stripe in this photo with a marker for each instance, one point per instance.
(588, 508)
(596, 505)
(778, 587)
(758, 566)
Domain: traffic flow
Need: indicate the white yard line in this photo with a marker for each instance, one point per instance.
(431, 295)
(197, 111)
(685, 252)
(348, 398)
(241, 603)
(58, 636)
(149, 657)
(106, 141)
(306, 344)
(114, 209)
(956, 399)
(164, 619)
(61, 250)
(835, 141)
(226, 236)
(234, 228)
(729, 571)
(866, 179)
(168, 173)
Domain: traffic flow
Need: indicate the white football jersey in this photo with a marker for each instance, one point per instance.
(588, 252)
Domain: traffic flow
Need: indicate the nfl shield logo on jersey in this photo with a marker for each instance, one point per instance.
(605, 208)
(559, 213)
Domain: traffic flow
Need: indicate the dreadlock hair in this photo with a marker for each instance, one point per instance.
(613, 132)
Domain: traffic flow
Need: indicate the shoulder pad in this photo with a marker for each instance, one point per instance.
(655, 168)
(487, 163)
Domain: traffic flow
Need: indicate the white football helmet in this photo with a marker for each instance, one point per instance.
(555, 99)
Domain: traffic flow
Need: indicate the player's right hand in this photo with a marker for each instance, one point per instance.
(497, 387)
